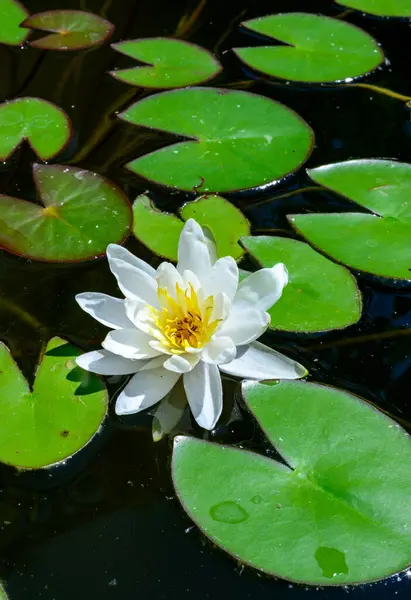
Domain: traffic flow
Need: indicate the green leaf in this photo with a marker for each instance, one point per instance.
(3, 595)
(381, 8)
(71, 29)
(160, 231)
(237, 140)
(338, 514)
(57, 418)
(169, 63)
(315, 48)
(377, 243)
(320, 295)
(12, 14)
(44, 125)
(81, 213)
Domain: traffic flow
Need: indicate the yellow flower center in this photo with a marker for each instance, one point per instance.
(184, 321)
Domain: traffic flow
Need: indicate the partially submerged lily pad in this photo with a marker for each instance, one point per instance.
(160, 231)
(62, 413)
(377, 241)
(12, 14)
(314, 48)
(237, 140)
(381, 8)
(71, 29)
(45, 126)
(81, 213)
(338, 511)
(169, 63)
(319, 296)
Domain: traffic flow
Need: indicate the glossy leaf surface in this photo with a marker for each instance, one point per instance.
(381, 8)
(12, 14)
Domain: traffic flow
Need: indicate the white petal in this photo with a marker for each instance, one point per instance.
(181, 363)
(145, 389)
(167, 277)
(221, 308)
(114, 251)
(223, 278)
(105, 309)
(193, 252)
(211, 245)
(104, 362)
(169, 412)
(204, 394)
(257, 361)
(191, 278)
(244, 325)
(132, 279)
(130, 343)
(219, 351)
(262, 289)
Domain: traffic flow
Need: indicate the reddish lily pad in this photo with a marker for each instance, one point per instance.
(81, 213)
(71, 29)
(169, 63)
(45, 126)
(12, 14)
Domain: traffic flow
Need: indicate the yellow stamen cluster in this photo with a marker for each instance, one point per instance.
(184, 321)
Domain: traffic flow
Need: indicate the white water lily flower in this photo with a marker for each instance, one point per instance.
(191, 321)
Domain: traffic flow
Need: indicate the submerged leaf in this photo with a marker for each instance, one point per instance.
(315, 48)
(81, 213)
(12, 14)
(237, 140)
(72, 29)
(44, 125)
(381, 8)
(169, 63)
(336, 513)
(49, 424)
(319, 296)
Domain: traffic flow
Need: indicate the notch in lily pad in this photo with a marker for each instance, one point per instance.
(167, 63)
(12, 14)
(48, 424)
(160, 231)
(234, 140)
(376, 241)
(45, 126)
(69, 29)
(380, 8)
(312, 49)
(79, 215)
(336, 513)
(320, 295)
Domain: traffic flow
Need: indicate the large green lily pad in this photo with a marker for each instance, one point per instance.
(377, 242)
(319, 296)
(71, 29)
(12, 14)
(81, 213)
(45, 126)
(337, 514)
(169, 63)
(160, 231)
(315, 48)
(237, 140)
(381, 8)
(62, 413)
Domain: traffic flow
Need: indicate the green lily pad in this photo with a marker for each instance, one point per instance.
(62, 413)
(45, 126)
(169, 63)
(237, 140)
(3, 595)
(337, 514)
(377, 242)
(71, 29)
(315, 48)
(381, 8)
(12, 14)
(320, 295)
(81, 213)
(160, 231)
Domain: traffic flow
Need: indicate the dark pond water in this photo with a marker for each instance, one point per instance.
(107, 525)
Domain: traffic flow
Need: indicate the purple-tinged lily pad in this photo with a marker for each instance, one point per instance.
(44, 125)
(12, 14)
(169, 63)
(70, 29)
(80, 214)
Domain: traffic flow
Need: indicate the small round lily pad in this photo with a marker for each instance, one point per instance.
(12, 14)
